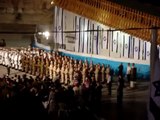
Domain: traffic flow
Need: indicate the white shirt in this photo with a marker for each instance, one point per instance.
(128, 70)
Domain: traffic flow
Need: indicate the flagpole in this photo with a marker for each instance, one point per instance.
(152, 66)
(153, 53)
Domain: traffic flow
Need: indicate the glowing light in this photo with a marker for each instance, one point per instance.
(52, 3)
(40, 33)
(46, 34)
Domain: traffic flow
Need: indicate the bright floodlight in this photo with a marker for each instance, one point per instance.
(52, 3)
(46, 34)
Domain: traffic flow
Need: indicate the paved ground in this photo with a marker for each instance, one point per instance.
(134, 102)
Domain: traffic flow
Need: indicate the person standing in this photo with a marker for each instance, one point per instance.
(8, 65)
(120, 70)
(128, 73)
(120, 90)
(109, 84)
(133, 75)
(120, 86)
(103, 74)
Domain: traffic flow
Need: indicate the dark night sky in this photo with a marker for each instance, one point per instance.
(148, 6)
(152, 2)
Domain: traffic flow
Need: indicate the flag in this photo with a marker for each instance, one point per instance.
(154, 100)
(104, 38)
(148, 47)
(126, 45)
(99, 39)
(118, 42)
(109, 35)
(114, 41)
(95, 40)
(59, 26)
(141, 54)
(85, 37)
(136, 48)
(55, 25)
(89, 37)
(121, 44)
(77, 29)
(63, 28)
(131, 48)
(81, 34)
(92, 37)
(145, 50)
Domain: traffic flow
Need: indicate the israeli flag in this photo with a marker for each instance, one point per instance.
(126, 45)
(131, 48)
(136, 48)
(89, 37)
(95, 39)
(81, 47)
(115, 41)
(121, 44)
(110, 41)
(148, 48)
(104, 38)
(77, 29)
(99, 39)
(141, 54)
(59, 26)
(55, 25)
(85, 35)
(63, 27)
(118, 42)
(92, 37)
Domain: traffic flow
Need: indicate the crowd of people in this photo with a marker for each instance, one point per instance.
(61, 84)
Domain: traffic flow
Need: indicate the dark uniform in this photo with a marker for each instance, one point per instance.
(120, 91)
(120, 85)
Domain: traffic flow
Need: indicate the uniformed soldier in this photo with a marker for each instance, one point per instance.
(71, 71)
(66, 74)
(84, 72)
(38, 63)
(54, 70)
(41, 66)
(16, 60)
(62, 73)
(46, 67)
(51, 70)
(33, 72)
(97, 70)
(19, 61)
(107, 71)
(30, 64)
(23, 61)
(58, 71)
(1, 56)
(27, 64)
(103, 73)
